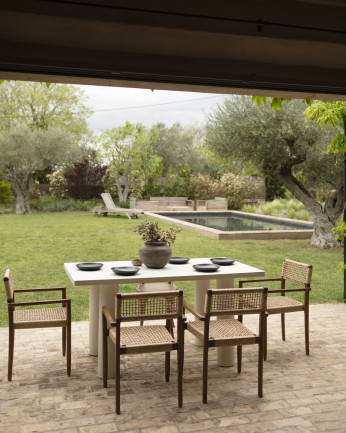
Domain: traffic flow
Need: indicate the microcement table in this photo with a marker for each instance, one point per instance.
(104, 285)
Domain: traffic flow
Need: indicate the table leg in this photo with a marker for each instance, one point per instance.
(93, 319)
(107, 295)
(225, 355)
(201, 287)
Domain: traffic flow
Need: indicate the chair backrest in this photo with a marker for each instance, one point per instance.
(108, 201)
(149, 306)
(9, 286)
(296, 272)
(236, 301)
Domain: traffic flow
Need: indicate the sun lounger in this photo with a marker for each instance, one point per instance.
(110, 208)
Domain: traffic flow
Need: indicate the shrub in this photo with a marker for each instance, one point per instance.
(49, 203)
(293, 209)
(57, 183)
(233, 190)
(5, 192)
(84, 180)
(203, 187)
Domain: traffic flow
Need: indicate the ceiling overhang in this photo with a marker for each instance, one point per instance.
(277, 47)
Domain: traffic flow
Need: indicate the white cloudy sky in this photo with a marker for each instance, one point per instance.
(114, 105)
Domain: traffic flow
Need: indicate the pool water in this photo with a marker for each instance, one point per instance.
(231, 223)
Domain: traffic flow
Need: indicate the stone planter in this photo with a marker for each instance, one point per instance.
(155, 255)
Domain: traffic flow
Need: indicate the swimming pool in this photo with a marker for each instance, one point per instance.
(238, 225)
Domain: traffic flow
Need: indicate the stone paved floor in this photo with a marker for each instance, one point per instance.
(301, 394)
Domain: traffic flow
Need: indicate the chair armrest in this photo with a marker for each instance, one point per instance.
(193, 311)
(307, 289)
(257, 280)
(108, 317)
(48, 302)
(48, 289)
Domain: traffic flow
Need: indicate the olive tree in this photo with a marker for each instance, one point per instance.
(25, 152)
(284, 145)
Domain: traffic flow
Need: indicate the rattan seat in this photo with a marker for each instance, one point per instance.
(293, 272)
(225, 332)
(129, 340)
(229, 332)
(21, 317)
(279, 304)
(144, 339)
(42, 318)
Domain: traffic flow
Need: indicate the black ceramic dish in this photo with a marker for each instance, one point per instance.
(223, 261)
(206, 267)
(125, 270)
(89, 266)
(179, 260)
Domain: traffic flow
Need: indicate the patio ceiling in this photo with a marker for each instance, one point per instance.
(274, 47)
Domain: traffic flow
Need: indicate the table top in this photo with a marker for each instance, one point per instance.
(171, 272)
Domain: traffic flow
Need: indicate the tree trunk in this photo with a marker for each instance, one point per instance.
(324, 218)
(23, 191)
(123, 186)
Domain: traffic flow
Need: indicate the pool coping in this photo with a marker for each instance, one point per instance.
(227, 235)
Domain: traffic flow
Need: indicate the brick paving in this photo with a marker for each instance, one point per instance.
(301, 394)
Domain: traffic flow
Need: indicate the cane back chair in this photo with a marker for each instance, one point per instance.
(293, 272)
(230, 332)
(136, 339)
(23, 318)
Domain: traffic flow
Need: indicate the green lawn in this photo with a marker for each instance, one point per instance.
(36, 246)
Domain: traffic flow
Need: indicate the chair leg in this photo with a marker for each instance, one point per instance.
(68, 348)
(260, 369)
(105, 359)
(265, 336)
(117, 382)
(10, 352)
(306, 319)
(205, 373)
(239, 357)
(167, 365)
(180, 368)
(283, 327)
(63, 341)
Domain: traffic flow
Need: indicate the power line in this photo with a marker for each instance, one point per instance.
(118, 109)
(159, 103)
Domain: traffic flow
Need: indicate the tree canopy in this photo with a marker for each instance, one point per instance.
(286, 146)
(128, 150)
(41, 127)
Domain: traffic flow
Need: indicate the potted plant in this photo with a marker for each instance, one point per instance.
(156, 251)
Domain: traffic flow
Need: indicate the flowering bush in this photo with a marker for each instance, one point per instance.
(57, 183)
(151, 232)
(203, 187)
(233, 189)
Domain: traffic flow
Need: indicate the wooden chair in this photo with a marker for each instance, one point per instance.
(20, 318)
(229, 332)
(297, 273)
(138, 339)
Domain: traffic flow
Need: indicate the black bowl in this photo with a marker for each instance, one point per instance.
(125, 270)
(206, 267)
(224, 261)
(179, 260)
(89, 266)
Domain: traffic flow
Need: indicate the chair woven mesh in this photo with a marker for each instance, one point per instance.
(296, 272)
(144, 339)
(146, 307)
(233, 302)
(40, 318)
(278, 304)
(223, 331)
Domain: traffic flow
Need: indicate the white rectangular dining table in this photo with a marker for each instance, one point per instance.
(104, 284)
